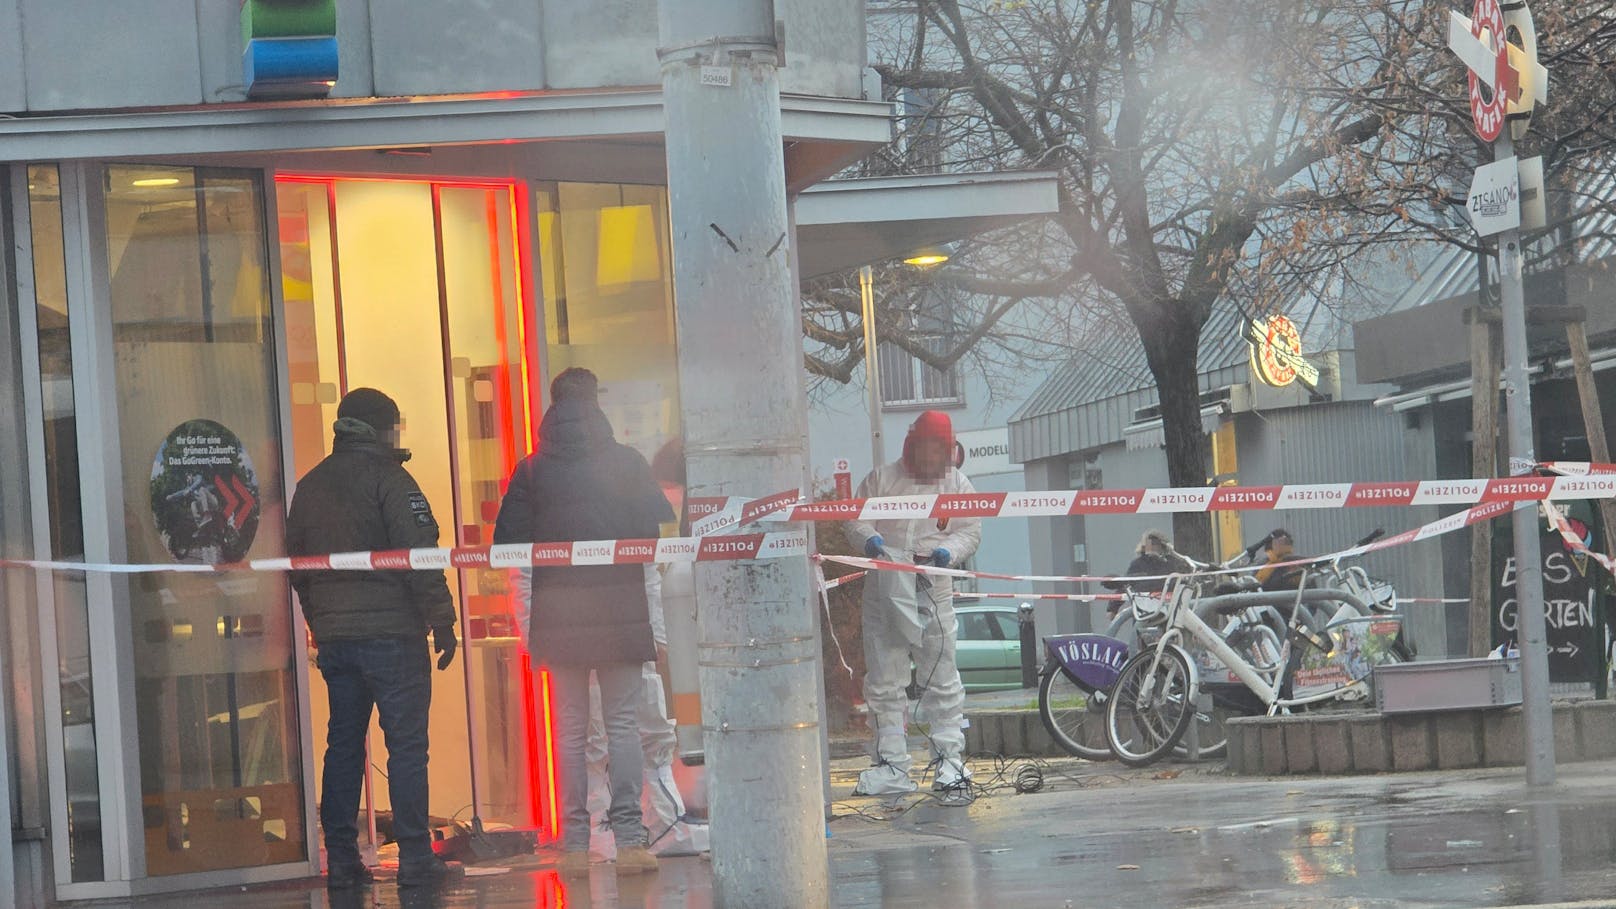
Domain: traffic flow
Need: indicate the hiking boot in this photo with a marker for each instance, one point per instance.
(635, 860)
(344, 875)
(427, 872)
(573, 864)
(883, 779)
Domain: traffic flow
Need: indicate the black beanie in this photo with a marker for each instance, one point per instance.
(369, 406)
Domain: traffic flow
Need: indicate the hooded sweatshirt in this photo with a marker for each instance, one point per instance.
(582, 484)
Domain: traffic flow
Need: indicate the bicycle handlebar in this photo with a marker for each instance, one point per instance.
(1374, 535)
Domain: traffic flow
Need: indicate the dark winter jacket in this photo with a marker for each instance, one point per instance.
(582, 485)
(361, 498)
(1150, 565)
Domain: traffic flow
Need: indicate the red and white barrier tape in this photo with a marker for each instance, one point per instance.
(774, 545)
(1457, 521)
(833, 583)
(1079, 597)
(1579, 468)
(706, 546)
(1591, 485)
(1561, 525)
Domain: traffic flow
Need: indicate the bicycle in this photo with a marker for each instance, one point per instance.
(1079, 670)
(1157, 694)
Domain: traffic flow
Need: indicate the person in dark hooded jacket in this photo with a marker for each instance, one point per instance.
(370, 628)
(582, 484)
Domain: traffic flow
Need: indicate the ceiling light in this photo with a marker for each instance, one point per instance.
(927, 258)
(157, 181)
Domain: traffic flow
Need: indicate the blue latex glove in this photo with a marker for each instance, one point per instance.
(872, 547)
(940, 557)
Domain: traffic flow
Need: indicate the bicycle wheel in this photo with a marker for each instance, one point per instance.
(1074, 716)
(1150, 707)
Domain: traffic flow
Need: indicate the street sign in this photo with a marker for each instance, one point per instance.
(1495, 197)
(1533, 214)
(842, 476)
(1480, 43)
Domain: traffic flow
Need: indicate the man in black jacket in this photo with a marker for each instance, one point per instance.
(582, 485)
(370, 628)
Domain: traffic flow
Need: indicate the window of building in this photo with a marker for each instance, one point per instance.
(906, 380)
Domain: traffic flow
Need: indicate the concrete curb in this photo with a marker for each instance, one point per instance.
(1448, 740)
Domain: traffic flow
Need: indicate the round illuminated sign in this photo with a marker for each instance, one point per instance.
(1487, 106)
(1277, 351)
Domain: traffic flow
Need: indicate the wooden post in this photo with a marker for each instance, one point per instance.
(1593, 419)
(1484, 378)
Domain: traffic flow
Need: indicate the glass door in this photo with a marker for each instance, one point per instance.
(417, 288)
(191, 336)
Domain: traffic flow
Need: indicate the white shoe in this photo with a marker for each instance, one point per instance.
(952, 775)
(883, 779)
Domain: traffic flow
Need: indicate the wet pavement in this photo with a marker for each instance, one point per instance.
(1172, 836)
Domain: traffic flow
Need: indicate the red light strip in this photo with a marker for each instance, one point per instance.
(553, 815)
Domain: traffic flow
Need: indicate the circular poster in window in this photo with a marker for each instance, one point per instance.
(204, 494)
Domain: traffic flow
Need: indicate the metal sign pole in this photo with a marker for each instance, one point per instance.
(1514, 81)
(872, 372)
(1537, 712)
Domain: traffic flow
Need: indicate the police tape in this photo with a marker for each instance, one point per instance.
(1562, 525)
(708, 546)
(1578, 468)
(1476, 514)
(1591, 484)
(749, 546)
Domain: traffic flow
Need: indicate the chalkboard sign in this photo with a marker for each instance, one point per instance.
(1573, 607)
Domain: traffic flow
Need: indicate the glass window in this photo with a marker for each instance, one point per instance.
(606, 275)
(1008, 627)
(907, 380)
(197, 397)
(973, 626)
(66, 539)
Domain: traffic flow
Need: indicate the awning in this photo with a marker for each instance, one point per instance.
(1150, 434)
(843, 224)
(1459, 389)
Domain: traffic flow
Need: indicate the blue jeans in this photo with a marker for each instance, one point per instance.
(621, 685)
(395, 676)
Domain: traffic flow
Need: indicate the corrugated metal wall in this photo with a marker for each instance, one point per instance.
(1332, 443)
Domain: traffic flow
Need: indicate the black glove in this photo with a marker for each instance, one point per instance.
(443, 641)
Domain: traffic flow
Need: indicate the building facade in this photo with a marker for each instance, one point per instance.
(215, 223)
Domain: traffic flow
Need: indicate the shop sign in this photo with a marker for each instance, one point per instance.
(842, 476)
(1276, 353)
(1573, 605)
(204, 494)
(987, 451)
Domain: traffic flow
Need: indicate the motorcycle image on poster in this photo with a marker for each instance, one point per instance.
(204, 494)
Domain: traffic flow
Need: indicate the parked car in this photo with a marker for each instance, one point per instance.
(988, 647)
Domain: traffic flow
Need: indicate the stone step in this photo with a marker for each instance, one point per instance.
(1338, 742)
(1447, 740)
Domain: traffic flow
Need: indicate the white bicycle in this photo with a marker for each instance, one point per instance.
(1158, 692)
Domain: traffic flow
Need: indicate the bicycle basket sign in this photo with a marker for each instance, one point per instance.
(1276, 353)
(1093, 660)
(204, 494)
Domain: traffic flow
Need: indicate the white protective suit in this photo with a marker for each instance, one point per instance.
(661, 803)
(904, 621)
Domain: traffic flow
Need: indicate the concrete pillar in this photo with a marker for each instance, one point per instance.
(741, 388)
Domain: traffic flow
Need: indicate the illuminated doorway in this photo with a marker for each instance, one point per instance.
(418, 288)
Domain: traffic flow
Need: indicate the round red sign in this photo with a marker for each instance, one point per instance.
(1487, 105)
(1279, 339)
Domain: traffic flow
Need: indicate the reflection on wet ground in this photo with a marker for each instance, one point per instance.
(1094, 837)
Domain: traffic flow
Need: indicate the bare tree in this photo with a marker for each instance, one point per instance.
(1207, 149)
